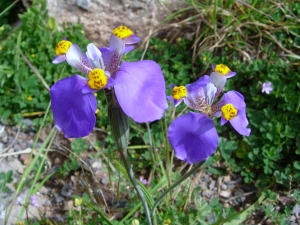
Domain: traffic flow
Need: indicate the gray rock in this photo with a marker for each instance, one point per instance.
(239, 192)
(67, 190)
(212, 184)
(58, 198)
(296, 210)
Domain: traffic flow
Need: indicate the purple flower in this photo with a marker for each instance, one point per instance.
(193, 136)
(139, 86)
(267, 87)
(33, 201)
(18, 200)
(143, 180)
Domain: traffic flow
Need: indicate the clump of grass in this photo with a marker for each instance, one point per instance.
(243, 26)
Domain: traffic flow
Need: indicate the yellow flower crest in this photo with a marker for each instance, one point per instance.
(97, 79)
(62, 47)
(179, 92)
(122, 32)
(223, 69)
(229, 111)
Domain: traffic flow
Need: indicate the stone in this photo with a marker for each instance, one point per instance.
(225, 194)
(212, 184)
(25, 158)
(100, 17)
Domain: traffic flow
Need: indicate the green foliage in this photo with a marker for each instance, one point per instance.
(5, 178)
(20, 90)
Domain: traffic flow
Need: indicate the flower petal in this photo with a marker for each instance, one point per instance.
(193, 137)
(219, 80)
(133, 39)
(240, 121)
(59, 59)
(76, 58)
(195, 98)
(113, 57)
(73, 112)
(140, 90)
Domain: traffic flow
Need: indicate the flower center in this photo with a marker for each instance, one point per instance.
(97, 79)
(228, 111)
(221, 68)
(62, 47)
(122, 32)
(179, 92)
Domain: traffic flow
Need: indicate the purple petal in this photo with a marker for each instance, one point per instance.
(201, 82)
(128, 49)
(195, 98)
(175, 102)
(112, 59)
(193, 137)
(133, 39)
(219, 80)
(140, 90)
(230, 74)
(240, 121)
(76, 58)
(73, 111)
(93, 52)
(59, 59)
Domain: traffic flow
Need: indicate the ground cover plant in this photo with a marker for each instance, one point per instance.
(258, 41)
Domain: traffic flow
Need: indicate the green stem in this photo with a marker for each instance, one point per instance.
(135, 184)
(180, 180)
(120, 132)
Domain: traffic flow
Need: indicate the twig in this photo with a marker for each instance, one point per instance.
(238, 196)
(34, 69)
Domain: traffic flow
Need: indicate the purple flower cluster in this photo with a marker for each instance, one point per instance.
(138, 86)
(193, 136)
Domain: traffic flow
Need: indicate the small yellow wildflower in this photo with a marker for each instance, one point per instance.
(165, 40)
(179, 39)
(29, 98)
(32, 55)
(77, 202)
(135, 222)
(97, 111)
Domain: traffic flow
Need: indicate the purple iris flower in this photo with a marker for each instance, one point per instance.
(193, 136)
(139, 86)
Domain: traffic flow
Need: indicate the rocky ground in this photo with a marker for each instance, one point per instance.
(54, 199)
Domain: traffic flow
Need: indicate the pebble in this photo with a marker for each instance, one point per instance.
(226, 179)
(223, 186)
(225, 194)
(239, 192)
(212, 184)
(67, 190)
(58, 198)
